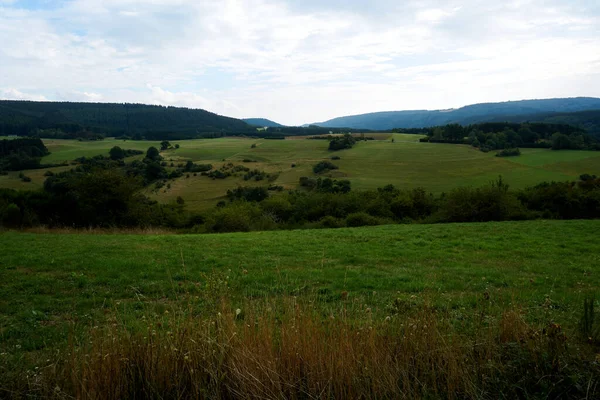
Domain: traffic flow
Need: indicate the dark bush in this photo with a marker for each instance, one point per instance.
(324, 166)
(361, 219)
(509, 153)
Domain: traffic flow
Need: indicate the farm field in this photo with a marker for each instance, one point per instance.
(405, 163)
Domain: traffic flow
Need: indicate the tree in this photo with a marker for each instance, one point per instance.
(560, 141)
(116, 153)
(454, 132)
(153, 154)
(164, 145)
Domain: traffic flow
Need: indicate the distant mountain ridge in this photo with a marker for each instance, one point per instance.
(262, 122)
(470, 114)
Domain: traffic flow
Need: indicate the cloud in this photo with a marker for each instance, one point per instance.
(299, 62)
(14, 94)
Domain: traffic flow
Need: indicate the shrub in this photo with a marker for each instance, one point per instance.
(329, 222)
(324, 166)
(248, 194)
(361, 219)
(336, 158)
(509, 153)
(238, 216)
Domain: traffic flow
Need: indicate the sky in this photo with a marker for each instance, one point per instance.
(299, 61)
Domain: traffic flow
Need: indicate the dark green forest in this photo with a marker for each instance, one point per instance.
(88, 120)
(505, 135)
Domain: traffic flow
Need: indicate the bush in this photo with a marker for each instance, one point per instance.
(248, 194)
(324, 166)
(336, 158)
(361, 219)
(329, 222)
(238, 217)
(509, 153)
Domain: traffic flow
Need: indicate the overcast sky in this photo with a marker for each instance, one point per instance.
(299, 61)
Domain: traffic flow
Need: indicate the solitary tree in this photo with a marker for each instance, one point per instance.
(116, 153)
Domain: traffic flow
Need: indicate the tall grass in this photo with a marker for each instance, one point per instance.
(287, 348)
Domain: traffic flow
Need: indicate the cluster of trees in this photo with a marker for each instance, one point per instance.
(110, 197)
(503, 135)
(117, 153)
(226, 171)
(97, 198)
(325, 185)
(20, 154)
(342, 142)
(257, 175)
(389, 205)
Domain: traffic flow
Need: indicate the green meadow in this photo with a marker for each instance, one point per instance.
(403, 162)
(51, 281)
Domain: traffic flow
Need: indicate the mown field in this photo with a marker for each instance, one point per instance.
(405, 163)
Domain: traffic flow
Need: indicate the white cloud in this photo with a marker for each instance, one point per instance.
(14, 94)
(301, 62)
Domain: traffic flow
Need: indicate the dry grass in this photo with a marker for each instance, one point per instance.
(292, 350)
(99, 231)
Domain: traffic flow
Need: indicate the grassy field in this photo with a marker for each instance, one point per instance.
(405, 162)
(80, 311)
(49, 279)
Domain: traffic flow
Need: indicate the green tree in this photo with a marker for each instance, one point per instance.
(153, 154)
(117, 153)
(164, 145)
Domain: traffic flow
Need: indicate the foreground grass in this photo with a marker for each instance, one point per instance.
(481, 311)
(51, 280)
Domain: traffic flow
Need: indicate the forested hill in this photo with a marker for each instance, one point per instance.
(262, 122)
(476, 113)
(587, 120)
(60, 119)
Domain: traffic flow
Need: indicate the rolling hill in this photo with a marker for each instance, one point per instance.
(475, 113)
(262, 122)
(25, 117)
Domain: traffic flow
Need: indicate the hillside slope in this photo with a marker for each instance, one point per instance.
(262, 122)
(469, 114)
(25, 117)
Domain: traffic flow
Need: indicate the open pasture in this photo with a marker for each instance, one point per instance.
(403, 162)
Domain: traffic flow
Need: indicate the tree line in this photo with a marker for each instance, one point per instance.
(504, 135)
(108, 193)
